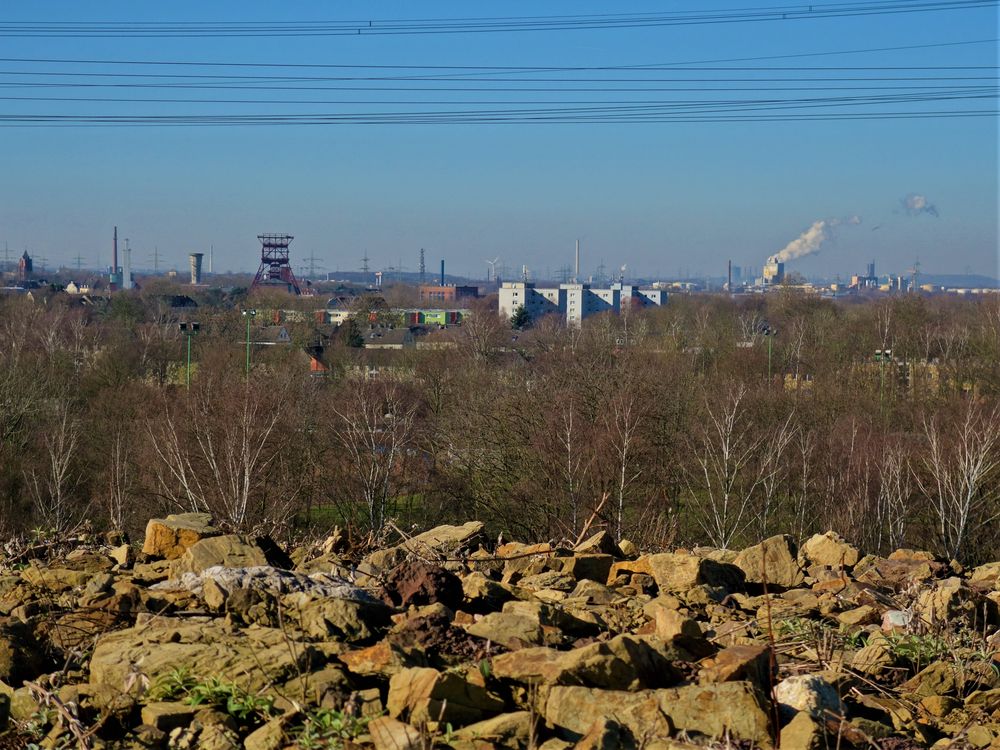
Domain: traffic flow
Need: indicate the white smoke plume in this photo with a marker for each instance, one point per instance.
(809, 241)
(915, 204)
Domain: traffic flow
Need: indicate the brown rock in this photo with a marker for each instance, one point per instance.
(574, 710)
(593, 567)
(271, 736)
(640, 565)
(341, 619)
(230, 551)
(676, 571)
(506, 730)
(168, 715)
(422, 694)
(874, 658)
(606, 734)
(937, 678)
(939, 705)
(751, 663)
(416, 582)
(803, 733)
(681, 630)
(829, 550)
(863, 615)
(528, 665)
(448, 541)
(773, 561)
(951, 600)
(254, 657)
(508, 629)
(170, 537)
(626, 662)
(600, 543)
(383, 658)
(391, 734)
(731, 710)
(123, 555)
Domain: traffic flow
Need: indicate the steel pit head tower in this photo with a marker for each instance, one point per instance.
(274, 268)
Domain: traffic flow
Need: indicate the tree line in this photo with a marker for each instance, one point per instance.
(708, 421)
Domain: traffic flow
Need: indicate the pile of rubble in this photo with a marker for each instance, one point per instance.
(216, 641)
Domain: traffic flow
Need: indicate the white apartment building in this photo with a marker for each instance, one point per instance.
(574, 301)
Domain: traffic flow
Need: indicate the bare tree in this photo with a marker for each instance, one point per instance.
(802, 492)
(732, 462)
(892, 505)
(52, 489)
(218, 460)
(623, 426)
(176, 477)
(375, 428)
(237, 455)
(959, 482)
(574, 469)
(773, 473)
(120, 479)
(750, 325)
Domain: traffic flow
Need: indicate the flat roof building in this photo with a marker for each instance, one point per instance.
(574, 301)
(449, 293)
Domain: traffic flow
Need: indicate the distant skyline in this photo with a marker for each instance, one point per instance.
(658, 182)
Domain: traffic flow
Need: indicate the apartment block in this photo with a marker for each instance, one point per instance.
(574, 302)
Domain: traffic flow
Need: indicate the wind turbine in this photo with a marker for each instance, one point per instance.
(491, 275)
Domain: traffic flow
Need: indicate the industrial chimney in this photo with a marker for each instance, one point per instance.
(442, 272)
(195, 259)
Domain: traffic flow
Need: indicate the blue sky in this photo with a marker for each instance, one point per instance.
(664, 198)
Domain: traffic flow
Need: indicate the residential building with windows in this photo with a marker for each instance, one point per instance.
(574, 302)
(449, 293)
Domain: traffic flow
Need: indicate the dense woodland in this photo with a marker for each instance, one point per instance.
(663, 426)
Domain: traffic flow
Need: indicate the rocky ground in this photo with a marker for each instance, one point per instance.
(208, 640)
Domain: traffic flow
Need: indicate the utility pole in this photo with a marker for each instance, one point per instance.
(312, 266)
(156, 259)
(249, 315)
(189, 330)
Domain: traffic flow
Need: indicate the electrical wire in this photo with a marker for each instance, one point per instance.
(160, 29)
(474, 69)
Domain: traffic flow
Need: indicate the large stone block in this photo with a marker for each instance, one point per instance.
(170, 537)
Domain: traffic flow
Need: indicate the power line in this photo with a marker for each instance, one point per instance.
(133, 29)
(513, 68)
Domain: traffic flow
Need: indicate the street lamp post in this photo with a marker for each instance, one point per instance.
(882, 356)
(769, 332)
(249, 315)
(189, 330)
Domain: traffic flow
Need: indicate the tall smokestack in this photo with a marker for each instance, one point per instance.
(729, 286)
(195, 259)
(576, 275)
(114, 254)
(127, 268)
(442, 272)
